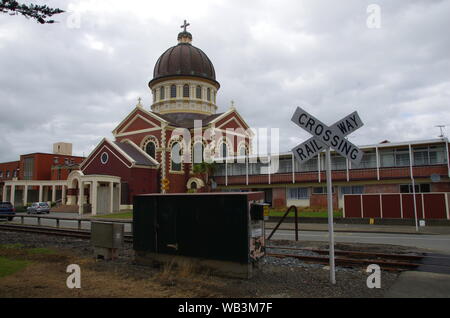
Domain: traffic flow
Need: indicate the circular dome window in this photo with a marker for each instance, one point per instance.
(104, 157)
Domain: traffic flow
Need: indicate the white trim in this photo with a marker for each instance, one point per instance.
(401, 205)
(269, 168)
(446, 205)
(448, 159)
(347, 169)
(381, 206)
(343, 208)
(293, 168)
(137, 108)
(362, 208)
(423, 207)
(105, 146)
(101, 158)
(246, 171)
(229, 120)
(318, 168)
(138, 132)
(377, 158)
(153, 125)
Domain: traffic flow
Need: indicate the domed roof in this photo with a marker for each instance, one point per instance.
(184, 59)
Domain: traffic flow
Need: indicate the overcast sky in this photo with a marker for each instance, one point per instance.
(75, 82)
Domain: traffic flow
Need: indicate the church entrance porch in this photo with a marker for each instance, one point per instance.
(96, 194)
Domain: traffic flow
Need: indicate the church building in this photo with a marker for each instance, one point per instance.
(148, 153)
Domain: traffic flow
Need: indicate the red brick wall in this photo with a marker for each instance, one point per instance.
(440, 187)
(320, 201)
(278, 197)
(381, 188)
(8, 166)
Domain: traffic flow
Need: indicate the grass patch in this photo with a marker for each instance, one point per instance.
(121, 215)
(11, 246)
(40, 251)
(9, 266)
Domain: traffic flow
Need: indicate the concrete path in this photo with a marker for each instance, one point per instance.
(363, 228)
(414, 284)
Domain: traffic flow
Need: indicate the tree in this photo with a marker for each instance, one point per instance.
(41, 13)
(206, 170)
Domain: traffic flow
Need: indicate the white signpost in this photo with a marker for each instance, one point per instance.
(325, 138)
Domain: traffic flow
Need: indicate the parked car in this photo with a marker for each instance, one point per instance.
(39, 207)
(6, 209)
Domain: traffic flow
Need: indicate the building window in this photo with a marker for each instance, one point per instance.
(224, 150)
(15, 173)
(186, 90)
(28, 167)
(402, 157)
(321, 190)
(208, 94)
(7, 174)
(1, 174)
(419, 188)
(198, 152)
(298, 193)
(243, 151)
(154, 95)
(214, 97)
(352, 190)
(104, 158)
(175, 157)
(198, 92)
(56, 160)
(150, 149)
(162, 93)
(437, 155)
(173, 91)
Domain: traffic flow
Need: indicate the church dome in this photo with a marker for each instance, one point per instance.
(184, 59)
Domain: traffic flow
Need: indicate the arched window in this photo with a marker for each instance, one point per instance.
(175, 157)
(243, 151)
(224, 150)
(198, 92)
(173, 91)
(208, 93)
(150, 149)
(198, 152)
(162, 92)
(186, 90)
(154, 95)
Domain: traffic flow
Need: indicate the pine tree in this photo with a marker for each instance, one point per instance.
(41, 13)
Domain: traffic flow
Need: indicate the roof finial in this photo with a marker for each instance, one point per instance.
(184, 36)
(185, 25)
(232, 105)
(139, 102)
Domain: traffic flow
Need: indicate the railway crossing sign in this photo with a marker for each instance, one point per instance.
(324, 138)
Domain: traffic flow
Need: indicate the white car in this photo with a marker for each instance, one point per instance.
(39, 207)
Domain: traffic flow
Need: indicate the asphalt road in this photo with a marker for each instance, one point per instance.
(437, 243)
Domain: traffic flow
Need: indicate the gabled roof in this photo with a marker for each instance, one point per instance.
(139, 156)
(186, 120)
(139, 108)
(132, 153)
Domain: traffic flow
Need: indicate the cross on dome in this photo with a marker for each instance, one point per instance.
(185, 25)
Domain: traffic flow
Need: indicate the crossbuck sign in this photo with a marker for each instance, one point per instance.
(324, 138)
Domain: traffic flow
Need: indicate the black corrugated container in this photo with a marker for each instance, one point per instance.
(213, 230)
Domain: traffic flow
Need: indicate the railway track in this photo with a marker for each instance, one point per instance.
(388, 262)
(82, 234)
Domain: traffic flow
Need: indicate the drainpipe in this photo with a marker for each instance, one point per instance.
(413, 185)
